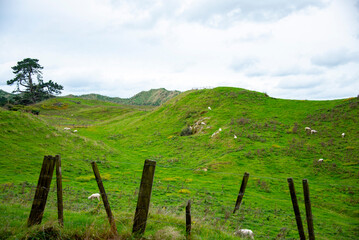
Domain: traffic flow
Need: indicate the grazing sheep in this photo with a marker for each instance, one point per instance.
(75, 131)
(244, 233)
(66, 128)
(95, 195)
(313, 131)
(214, 134)
(235, 136)
(320, 160)
(209, 108)
(307, 128)
(343, 135)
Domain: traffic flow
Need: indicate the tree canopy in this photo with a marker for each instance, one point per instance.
(30, 84)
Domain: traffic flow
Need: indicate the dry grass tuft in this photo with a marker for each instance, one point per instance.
(168, 233)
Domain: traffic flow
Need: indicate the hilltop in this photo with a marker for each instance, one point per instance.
(153, 97)
(205, 165)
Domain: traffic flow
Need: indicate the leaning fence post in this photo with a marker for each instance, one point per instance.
(241, 191)
(144, 197)
(42, 190)
(188, 219)
(308, 210)
(60, 205)
(296, 208)
(104, 198)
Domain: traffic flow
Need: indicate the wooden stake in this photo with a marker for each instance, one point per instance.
(42, 190)
(188, 219)
(296, 208)
(144, 198)
(241, 191)
(60, 205)
(308, 209)
(104, 198)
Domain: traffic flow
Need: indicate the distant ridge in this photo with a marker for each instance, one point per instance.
(5, 97)
(6, 94)
(153, 97)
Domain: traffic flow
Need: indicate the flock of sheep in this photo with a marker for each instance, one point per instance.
(69, 129)
(311, 131)
(245, 233)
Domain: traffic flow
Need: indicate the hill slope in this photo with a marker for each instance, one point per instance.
(206, 166)
(153, 97)
(5, 97)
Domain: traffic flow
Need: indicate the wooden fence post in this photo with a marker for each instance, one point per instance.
(296, 208)
(188, 219)
(104, 198)
(60, 204)
(241, 191)
(308, 209)
(144, 197)
(42, 190)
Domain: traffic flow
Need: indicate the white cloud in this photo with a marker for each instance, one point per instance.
(119, 48)
(335, 58)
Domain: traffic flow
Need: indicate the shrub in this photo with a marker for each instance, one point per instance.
(187, 131)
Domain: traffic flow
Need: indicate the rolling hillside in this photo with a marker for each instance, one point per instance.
(153, 97)
(4, 97)
(194, 161)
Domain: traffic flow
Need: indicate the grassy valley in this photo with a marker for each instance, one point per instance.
(261, 135)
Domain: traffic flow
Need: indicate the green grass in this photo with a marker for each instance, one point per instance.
(271, 145)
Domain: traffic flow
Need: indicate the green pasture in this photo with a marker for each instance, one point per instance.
(207, 169)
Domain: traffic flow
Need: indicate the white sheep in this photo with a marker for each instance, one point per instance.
(216, 132)
(235, 136)
(209, 108)
(75, 131)
(66, 128)
(307, 128)
(320, 160)
(95, 195)
(245, 233)
(313, 131)
(343, 135)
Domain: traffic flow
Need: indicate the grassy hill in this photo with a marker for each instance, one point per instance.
(153, 97)
(4, 97)
(271, 145)
(5, 94)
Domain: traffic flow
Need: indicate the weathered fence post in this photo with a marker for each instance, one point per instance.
(296, 208)
(60, 205)
(42, 190)
(241, 191)
(144, 197)
(308, 210)
(188, 219)
(104, 198)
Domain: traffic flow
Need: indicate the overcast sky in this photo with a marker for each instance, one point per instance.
(297, 49)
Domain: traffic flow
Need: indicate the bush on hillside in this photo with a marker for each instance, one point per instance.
(187, 131)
